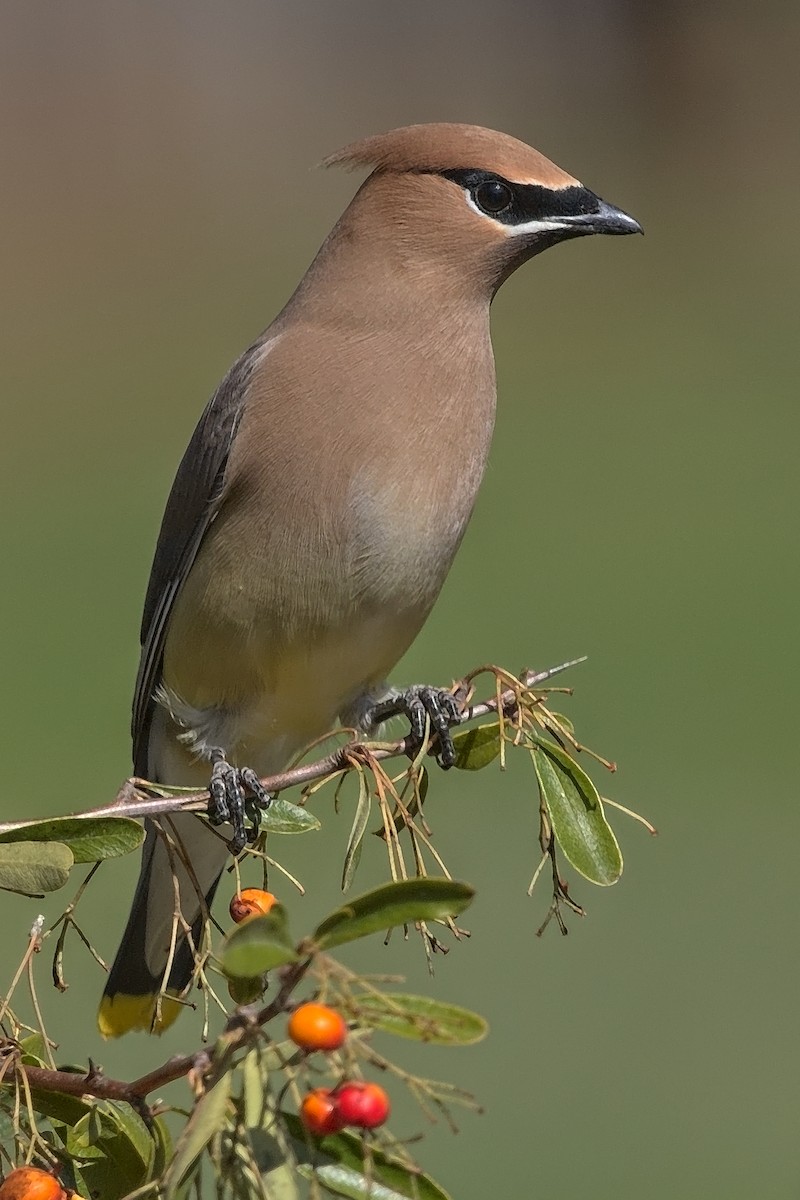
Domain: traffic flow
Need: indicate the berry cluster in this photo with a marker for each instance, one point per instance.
(362, 1105)
(353, 1102)
(313, 1027)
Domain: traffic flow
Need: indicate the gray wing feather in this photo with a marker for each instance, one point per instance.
(192, 505)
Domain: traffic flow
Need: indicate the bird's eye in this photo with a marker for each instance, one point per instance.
(493, 197)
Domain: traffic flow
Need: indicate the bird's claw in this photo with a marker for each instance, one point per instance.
(423, 704)
(229, 801)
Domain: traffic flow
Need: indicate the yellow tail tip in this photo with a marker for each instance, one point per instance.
(120, 1014)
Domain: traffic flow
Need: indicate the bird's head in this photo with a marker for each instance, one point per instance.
(464, 197)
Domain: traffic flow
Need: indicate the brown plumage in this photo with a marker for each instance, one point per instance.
(446, 146)
(325, 492)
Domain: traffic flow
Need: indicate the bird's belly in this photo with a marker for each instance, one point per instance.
(311, 684)
(261, 661)
(283, 694)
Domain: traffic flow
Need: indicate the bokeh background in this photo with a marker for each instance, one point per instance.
(640, 507)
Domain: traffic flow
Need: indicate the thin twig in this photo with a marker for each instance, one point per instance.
(34, 942)
(136, 796)
(201, 1062)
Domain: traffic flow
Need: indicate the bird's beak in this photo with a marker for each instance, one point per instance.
(605, 219)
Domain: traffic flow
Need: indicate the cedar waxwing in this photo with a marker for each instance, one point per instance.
(320, 502)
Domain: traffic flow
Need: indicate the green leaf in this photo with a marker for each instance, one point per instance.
(343, 1181)
(130, 1125)
(422, 1019)
(285, 817)
(89, 840)
(246, 991)
(113, 1146)
(33, 867)
(33, 1050)
(269, 1144)
(345, 1151)
(7, 1127)
(83, 1140)
(117, 1158)
(162, 1150)
(476, 748)
(565, 721)
(576, 813)
(280, 1182)
(208, 1118)
(352, 855)
(428, 899)
(257, 945)
(255, 1078)
(108, 1177)
(59, 1106)
(70, 1173)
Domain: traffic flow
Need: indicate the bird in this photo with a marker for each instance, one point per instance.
(320, 502)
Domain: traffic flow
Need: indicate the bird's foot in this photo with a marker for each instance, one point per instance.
(423, 704)
(229, 800)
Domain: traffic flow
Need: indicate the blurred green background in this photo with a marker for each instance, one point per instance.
(640, 507)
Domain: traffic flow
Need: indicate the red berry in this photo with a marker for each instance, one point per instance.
(319, 1112)
(317, 1027)
(251, 902)
(365, 1105)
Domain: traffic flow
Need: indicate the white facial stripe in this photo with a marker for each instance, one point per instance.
(517, 230)
(535, 227)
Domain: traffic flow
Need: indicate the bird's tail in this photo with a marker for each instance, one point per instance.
(139, 994)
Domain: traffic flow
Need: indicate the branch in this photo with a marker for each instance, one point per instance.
(133, 800)
(246, 1021)
(238, 1030)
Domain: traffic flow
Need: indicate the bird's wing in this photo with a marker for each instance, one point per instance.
(192, 506)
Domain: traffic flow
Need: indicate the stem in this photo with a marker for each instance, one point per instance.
(238, 1031)
(135, 798)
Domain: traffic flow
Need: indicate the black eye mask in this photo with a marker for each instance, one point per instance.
(519, 203)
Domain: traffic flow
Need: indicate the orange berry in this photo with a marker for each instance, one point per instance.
(251, 902)
(364, 1105)
(317, 1027)
(30, 1183)
(319, 1113)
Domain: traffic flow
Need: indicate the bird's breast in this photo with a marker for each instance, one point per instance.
(405, 530)
(335, 535)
